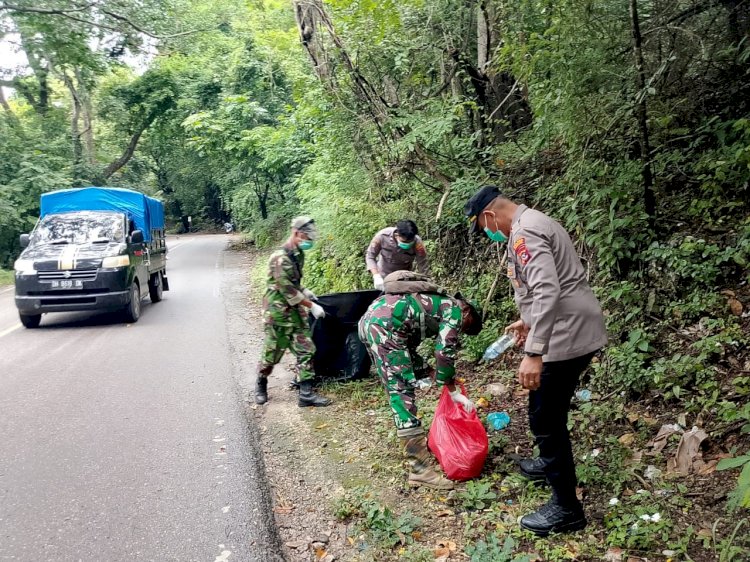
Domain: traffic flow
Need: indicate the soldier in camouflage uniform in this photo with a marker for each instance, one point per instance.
(285, 305)
(396, 323)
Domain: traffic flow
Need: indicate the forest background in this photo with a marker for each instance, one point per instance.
(628, 122)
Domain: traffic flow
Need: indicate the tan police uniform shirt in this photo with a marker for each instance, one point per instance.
(384, 254)
(551, 290)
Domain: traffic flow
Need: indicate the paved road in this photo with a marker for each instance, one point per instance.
(131, 442)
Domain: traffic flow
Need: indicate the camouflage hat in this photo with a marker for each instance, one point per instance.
(305, 225)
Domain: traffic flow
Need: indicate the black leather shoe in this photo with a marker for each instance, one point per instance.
(532, 469)
(307, 397)
(554, 518)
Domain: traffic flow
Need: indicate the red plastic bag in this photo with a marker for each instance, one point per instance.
(458, 439)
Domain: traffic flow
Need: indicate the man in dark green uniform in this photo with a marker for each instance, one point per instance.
(285, 305)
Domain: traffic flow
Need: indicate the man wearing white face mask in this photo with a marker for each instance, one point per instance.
(561, 328)
(285, 305)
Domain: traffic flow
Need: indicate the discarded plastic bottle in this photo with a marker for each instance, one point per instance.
(498, 420)
(499, 346)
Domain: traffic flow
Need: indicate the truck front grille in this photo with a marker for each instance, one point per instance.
(80, 274)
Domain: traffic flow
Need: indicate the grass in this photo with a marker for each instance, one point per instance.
(6, 277)
(491, 505)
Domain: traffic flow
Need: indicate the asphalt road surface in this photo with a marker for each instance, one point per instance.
(131, 442)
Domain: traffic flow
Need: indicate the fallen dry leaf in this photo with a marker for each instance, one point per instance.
(322, 425)
(444, 513)
(735, 306)
(665, 432)
(482, 402)
(708, 468)
(688, 458)
(416, 535)
(444, 548)
(614, 554)
(627, 439)
(320, 553)
(283, 509)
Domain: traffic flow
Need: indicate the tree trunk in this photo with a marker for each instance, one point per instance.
(641, 111)
(41, 69)
(262, 193)
(88, 119)
(75, 127)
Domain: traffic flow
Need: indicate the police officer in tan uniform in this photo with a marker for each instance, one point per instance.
(561, 328)
(395, 248)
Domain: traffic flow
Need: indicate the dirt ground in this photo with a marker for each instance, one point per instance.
(339, 482)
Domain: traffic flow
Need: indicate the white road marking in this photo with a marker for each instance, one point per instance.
(9, 330)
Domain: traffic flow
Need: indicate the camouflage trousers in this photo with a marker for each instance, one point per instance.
(394, 367)
(294, 338)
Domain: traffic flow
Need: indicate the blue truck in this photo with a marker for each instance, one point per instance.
(93, 248)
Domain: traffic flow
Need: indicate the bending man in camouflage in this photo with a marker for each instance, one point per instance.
(396, 323)
(285, 318)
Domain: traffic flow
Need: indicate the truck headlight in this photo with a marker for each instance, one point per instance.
(116, 261)
(24, 267)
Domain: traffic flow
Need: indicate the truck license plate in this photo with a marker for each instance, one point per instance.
(67, 284)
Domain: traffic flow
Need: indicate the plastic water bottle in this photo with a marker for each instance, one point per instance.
(500, 345)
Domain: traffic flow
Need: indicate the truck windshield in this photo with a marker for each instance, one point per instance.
(80, 227)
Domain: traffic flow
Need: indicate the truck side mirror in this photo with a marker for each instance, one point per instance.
(136, 237)
(24, 240)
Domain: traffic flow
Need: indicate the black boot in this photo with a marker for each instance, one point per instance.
(308, 398)
(532, 469)
(261, 390)
(553, 517)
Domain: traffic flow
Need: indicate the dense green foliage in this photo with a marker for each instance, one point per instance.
(632, 129)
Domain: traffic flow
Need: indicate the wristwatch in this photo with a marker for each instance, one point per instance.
(529, 354)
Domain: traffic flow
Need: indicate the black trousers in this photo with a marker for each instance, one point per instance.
(548, 419)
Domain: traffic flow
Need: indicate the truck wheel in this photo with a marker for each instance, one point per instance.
(133, 310)
(30, 320)
(155, 289)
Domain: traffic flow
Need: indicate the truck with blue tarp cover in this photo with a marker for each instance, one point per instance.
(93, 248)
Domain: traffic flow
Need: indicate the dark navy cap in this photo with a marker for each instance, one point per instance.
(478, 203)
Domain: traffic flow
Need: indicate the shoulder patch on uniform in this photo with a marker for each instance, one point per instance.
(519, 247)
(419, 248)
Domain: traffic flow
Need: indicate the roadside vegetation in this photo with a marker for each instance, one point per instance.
(6, 277)
(626, 121)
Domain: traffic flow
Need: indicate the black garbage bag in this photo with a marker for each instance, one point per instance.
(339, 355)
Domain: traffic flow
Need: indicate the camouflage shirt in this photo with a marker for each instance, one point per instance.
(398, 322)
(283, 288)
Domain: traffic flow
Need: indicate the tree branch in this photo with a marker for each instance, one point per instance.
(126, 155)
(27, 9)
(119, 17)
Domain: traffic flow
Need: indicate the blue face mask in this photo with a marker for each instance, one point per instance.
(305, 245)
(495, 236)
